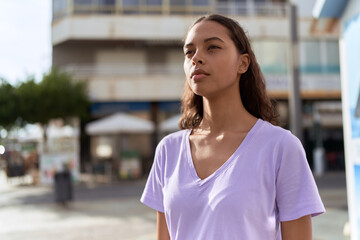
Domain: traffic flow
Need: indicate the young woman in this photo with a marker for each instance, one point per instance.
(229, 174)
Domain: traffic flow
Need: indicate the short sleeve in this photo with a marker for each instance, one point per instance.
(296, 191)
(153, 194)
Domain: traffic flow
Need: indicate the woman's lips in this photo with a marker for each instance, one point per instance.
(199, 76)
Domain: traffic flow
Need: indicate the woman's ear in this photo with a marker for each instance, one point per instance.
(244, 63)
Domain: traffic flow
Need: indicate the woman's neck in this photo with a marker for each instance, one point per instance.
(225, 113)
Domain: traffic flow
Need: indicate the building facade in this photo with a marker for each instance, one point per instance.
(130, 53)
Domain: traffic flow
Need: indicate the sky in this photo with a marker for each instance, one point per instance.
(25, 39)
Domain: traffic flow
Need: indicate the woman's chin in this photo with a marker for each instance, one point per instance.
(205, 92)
(199, 92)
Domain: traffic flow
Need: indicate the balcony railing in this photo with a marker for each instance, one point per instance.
(62, 8)
(308, 82)
(115, 70)
(275, 82)
(251, 9)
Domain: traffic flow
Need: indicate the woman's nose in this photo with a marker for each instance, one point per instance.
(197, 59)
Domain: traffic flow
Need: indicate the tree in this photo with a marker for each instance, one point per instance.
(8, 105)
(28, 95)
(61, 97)
(58, 95)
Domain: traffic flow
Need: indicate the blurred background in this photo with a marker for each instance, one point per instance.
(89, 87)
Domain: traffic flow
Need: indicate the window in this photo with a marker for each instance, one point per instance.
(271, 56)
(106, 6)
(83, 2)
(231, 1)
(130, 3)
(59, 8)
(83, 6)
(319, 56)
(156, 58)
(131, 6)
(310, 57)
(201, 2)
(177, 6)
(154, 2)
(154, 6)
(332, 57)
(177, 2)
(107, 2)
(232, 7)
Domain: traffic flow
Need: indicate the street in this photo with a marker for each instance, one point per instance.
(113, 211)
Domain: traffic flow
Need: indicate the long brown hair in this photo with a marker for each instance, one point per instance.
(252, 83)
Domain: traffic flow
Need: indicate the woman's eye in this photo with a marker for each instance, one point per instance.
(213, 47)
(188, 52)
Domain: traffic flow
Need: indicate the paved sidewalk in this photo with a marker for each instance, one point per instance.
(330, 226)
(113, 211)
(99, 211)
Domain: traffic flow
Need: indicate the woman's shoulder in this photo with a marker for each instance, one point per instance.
(276, 141)
(277, 134)
(174, 138)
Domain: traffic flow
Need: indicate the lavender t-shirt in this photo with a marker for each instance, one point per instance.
(265, 181)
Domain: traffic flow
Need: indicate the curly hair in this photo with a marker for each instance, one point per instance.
(252, 83)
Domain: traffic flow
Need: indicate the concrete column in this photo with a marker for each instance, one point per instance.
(295, 108)
(166, 7)
(70, 7)
(118, 6)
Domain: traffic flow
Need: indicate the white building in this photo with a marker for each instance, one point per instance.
(130, 51)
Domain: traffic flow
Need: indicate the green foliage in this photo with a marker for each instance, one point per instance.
(8, 104)
(61, 97)
(56, 96)
(28, 98)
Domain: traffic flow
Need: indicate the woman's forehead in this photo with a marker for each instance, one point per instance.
(207, 29)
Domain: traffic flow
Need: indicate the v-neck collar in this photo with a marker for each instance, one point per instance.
(223, 167)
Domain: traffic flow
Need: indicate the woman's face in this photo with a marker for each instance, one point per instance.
(212, 63)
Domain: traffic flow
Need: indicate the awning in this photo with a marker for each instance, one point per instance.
(119, 123)
(171, 124)
(35, 133)
(329, 8)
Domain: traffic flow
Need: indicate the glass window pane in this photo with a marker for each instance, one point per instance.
(311, 60)
(107, 2)
(131, 6)
(153, 6)
(59, 5)
(106, 6)
(83, 2)
(59, 8)
(332, 56)
(201, 2)
(130, 2)
(83, 6)
(231, 1)
(154, 2)
(177, 2)
(177, 6)
(271, 56)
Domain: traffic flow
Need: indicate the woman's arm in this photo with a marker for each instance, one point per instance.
(162, 230)
(299, 229)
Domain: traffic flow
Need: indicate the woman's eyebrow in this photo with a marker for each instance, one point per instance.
(205, 40)
(213, 38)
